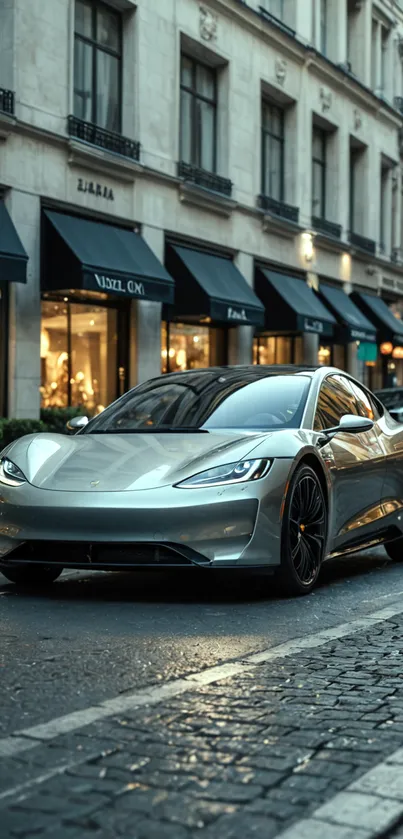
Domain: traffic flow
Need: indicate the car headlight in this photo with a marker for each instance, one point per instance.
(10, 474)
(230, 473)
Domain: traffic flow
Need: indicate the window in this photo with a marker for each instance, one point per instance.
(335, 400)
(366, 405)
(383, 209)
(79, 355)
(97, 65)
(198, 114)
(274, 7)
(384, 59)
(184, 347)
(207, 400)
(272, 151)
(354, 197)
(323, 26)
(318, 173)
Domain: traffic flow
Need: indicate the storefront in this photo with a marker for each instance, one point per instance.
(387, 369)
(293, 316)
(211, 298)
(353, 328)
(13, 268)
(91, 274)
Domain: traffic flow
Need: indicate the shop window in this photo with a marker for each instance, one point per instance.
(273, 350)
(272, 151)
(98, 64)
(79, 362)
(184, 347)
(3, 348)
(198, 114)
(325, 356)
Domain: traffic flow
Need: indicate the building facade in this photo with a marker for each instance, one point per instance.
(186, 183)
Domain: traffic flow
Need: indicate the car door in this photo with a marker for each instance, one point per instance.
(356, 463)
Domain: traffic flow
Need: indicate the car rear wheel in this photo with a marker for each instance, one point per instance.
(303, 536)
(395, 550)
(31, 576)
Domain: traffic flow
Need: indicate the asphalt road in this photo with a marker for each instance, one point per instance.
(90, 637)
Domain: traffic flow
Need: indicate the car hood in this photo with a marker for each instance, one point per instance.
(118, 462)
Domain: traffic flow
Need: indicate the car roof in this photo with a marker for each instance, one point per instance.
(260, 370)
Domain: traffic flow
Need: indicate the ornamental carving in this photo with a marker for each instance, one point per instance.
(326, 99)
(357, 120)
(280, 70)
(208, 24)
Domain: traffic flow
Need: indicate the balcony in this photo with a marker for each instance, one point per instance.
(207, 180)
(361, 242)
(276, 21)
(398, 104)
(87, 132)
(327, 228)
(279, 208)
(6, 101)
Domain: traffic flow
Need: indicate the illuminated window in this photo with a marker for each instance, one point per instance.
(184, 347)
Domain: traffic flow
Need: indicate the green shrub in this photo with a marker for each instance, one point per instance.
(56, 419)
(12, 429)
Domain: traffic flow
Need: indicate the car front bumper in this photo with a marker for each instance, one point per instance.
(226, 525)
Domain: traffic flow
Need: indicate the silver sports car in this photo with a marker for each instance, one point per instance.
(274, 468)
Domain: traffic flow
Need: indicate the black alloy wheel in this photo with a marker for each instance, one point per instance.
(304, 533)
(31, 576)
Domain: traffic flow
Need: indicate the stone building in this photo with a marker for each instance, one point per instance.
(186, 183)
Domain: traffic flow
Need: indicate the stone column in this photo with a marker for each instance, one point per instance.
(24, 370)
(145, 325)
(240, 339)
(310, 348)
(352, 360)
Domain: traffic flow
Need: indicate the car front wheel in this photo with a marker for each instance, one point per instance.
(31, 576)
(303, 536)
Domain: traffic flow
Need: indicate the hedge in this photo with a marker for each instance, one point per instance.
(52, 420)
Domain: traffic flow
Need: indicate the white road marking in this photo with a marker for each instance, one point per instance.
(28, 738)
(366, 808)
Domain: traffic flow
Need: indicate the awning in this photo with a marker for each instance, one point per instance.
(13, 259)
(291, 306)
(211, 286)
(353, 324)
(92, 256)
(389, 327)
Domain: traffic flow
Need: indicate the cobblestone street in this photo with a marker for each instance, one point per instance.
(303, 744)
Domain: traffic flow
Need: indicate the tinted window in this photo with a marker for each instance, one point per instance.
(208, 400)
(366, 405)
(335, 400)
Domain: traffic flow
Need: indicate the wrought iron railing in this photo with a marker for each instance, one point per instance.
(362, 242)
(328, 228)
(6, 101)
(279, 208)
(208, 180)
(108, 140)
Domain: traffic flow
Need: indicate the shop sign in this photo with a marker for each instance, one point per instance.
(92, 188)
(359, 335)
(236, 314)
(120, 286)
(313, 325)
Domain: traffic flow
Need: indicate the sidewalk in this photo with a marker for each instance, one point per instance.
(306, 747)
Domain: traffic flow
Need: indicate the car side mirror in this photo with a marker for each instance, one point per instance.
(76, 423)
(350, 424)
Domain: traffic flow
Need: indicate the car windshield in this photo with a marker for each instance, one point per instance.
(391, 398)
(207, 400)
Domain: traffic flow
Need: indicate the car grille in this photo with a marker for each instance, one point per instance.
(99, 555)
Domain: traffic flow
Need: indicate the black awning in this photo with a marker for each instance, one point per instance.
(90, 255)
(389, 327)
(291, 306)
(211, 286)
(353, 324)
(13, 259)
